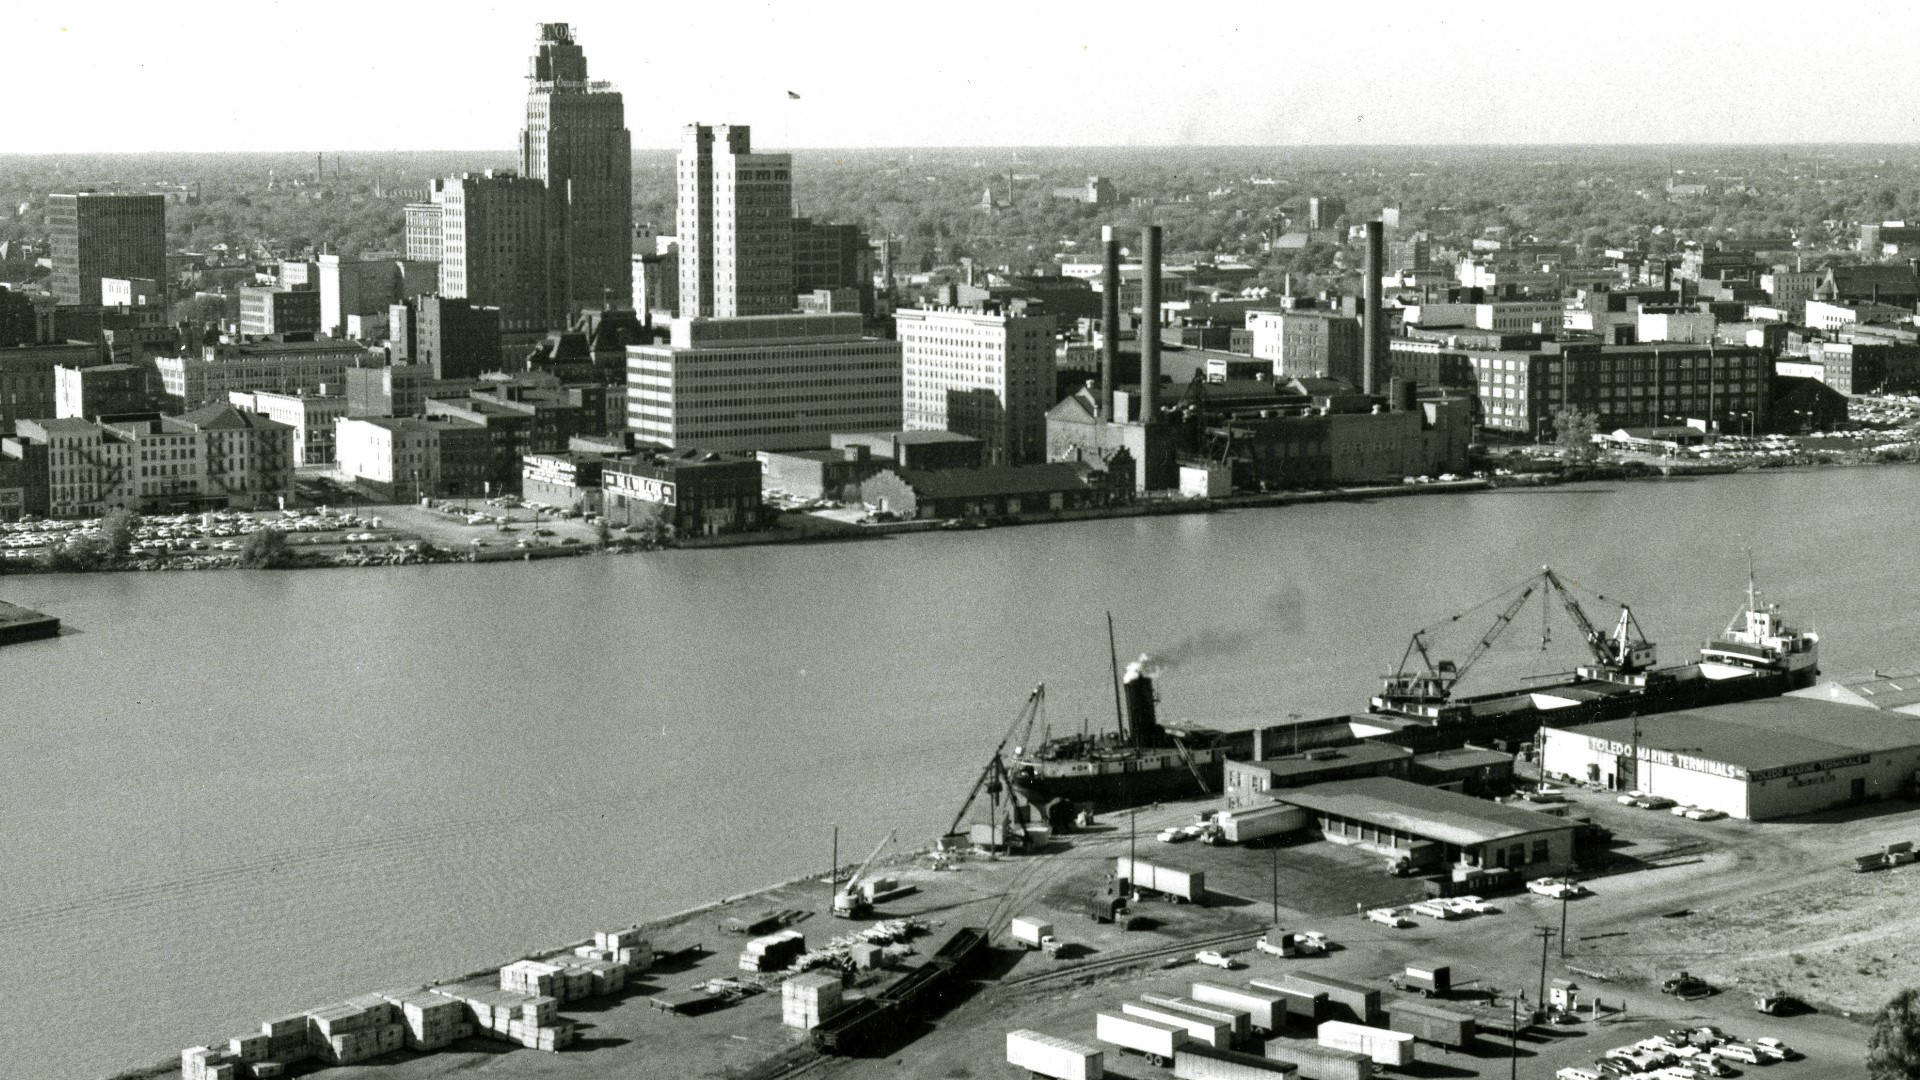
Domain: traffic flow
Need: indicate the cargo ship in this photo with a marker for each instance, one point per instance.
(1143, 760)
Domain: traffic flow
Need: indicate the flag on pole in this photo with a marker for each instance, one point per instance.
(792, 96)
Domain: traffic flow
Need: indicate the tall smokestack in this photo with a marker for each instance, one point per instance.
(1109, 319)
(1374, 363)
(1150, 326)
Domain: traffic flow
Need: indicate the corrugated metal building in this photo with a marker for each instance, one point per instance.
(1436, 828)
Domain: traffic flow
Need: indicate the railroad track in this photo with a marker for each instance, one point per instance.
(1111, 963)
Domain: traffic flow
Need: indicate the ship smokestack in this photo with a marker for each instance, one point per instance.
(1150, 327)
(1374, 363)
(1109, 320)
(1143, 722)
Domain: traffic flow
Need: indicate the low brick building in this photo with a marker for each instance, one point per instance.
(996, 491)
(694, 492)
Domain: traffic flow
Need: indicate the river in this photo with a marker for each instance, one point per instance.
(237, 794)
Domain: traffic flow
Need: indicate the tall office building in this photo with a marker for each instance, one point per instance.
(735, 225)
(576, 142)
(982, 372)
(96, 236)
(494, 247)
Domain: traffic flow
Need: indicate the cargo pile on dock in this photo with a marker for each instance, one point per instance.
(521, 1006)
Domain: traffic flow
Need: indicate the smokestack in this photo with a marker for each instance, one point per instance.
(1143, 721)
(1374, 363)
(1109, 320)
(1150, 326)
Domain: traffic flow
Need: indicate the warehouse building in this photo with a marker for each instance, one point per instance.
(1755, 759)
(1436, 829)
(1249, 783)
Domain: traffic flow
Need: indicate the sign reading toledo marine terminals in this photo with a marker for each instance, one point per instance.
(644, 488)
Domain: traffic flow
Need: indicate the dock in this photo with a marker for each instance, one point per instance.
(19, 624)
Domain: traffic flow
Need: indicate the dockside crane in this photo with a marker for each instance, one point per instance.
(993, 778)
(1623, 651)
(1429, 686)
(850, 902)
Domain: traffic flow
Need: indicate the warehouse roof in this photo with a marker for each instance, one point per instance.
(1767, 734)
(1877, 690)
(1466, 757)
(1331, 758)
(1429, 813)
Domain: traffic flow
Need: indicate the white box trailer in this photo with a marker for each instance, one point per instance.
(1259, 822)
(1194, 1063)
(1240, 1020)
(1383, 1046)
(1156, 1040)
(1318, 1062)
(1213, 1033)
(1266, 1008)
(1030, 931)
(1187, 885)
(1056, 1058)
(1305, 1004)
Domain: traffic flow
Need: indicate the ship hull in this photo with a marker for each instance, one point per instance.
(1497, 720)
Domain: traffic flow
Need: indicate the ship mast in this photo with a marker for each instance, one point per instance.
(1113, 658)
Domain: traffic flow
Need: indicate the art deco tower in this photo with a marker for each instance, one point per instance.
(576, 142)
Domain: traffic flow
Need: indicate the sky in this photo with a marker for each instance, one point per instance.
(354, 75)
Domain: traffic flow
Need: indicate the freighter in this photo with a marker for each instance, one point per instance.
(1145, 761)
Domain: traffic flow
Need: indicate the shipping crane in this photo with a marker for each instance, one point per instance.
(1624, 651)
(1426, 689)
(850, 902)
(993, 777)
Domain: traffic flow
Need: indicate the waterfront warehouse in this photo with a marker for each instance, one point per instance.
(1430, 827)
(1754, 759)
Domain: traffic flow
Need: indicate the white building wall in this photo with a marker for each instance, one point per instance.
(768, 396)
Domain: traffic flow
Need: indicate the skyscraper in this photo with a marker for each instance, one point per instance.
(576, 142)
(735, 225)
(494, 247)
(96, 235)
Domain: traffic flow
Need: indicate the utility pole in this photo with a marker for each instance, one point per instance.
(1513, 1042)
(833, 876)
(1563, 926)
(1276, 888)
(1546, 935)
(1131, 874)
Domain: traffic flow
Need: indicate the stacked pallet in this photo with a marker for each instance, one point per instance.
(355, 1030)
(531, 1021)
(630, 947)
(805, 1000)
(287, 1039)
(432, 1021)
(208, 1063)
(534, 978)
(774, 952)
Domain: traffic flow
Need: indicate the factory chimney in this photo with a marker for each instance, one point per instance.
(1374, 362)
(1109, 321)
(1150, 326)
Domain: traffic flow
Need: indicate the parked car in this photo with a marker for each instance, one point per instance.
(1387, 916)
(1705, 814)
(1556, 888)
(1769, 1046)
(1216, 959)
(1777, 1004)
(1653, 802)
(1171, 836)
(1686, 987)
(1628, 798)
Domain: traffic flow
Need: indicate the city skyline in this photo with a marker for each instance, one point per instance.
(1065, 75)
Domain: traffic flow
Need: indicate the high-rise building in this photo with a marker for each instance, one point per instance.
(96, 235)
(423, 223)
(982, 372)
(454, 339)
(271, 309)
(576, 142)
(735, 225)
(494, 247)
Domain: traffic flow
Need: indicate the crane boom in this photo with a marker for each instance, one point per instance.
(848, 903)
(1625, 651)
(996, 768)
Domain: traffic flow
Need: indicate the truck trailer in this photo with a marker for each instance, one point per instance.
(1318, 1062)
(1239, 1021)
(1215, 1034)
(1431, 1023)
(1259, 822)
(1198, 1063)
(1155, 1040)
(1385, 1047)
(1054, 1058)
(1345, 1000)
(1189, 886)
(1267, 1009)
(1428, 980)
(1304, 1004)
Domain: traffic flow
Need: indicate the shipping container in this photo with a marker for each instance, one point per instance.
(1150, 1037)
(1305, 1004)
(1267, 1009)
(1318, 1062)
(1385, 1047)
(1187, 885)
(1345, 1000)
(1213, 1033)
(1058, 1059)
(1430, 1023)
(1199, 1063)
(1239, 1021)
(1030, 931)
(1259, 822)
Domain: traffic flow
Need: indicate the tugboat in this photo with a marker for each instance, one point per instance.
(1142, 761)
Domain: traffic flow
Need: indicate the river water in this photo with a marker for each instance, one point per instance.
(232, 795)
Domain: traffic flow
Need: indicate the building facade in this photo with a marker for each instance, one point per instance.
(695, 492)
(494, 247)
(452, 338)
(576, 143)
(280, 366)
(310, 416)
(83, 393)
(96, 235)
(770, 382)
(735, 225)
(273, 309)
(980, 372)
(1308, 343)
(29, 379)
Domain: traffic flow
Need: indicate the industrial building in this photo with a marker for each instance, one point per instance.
(1249, 782)
(1437, 829)
(695, 492)
(1754, 759)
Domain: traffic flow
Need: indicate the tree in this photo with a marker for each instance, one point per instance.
(266, 549)
(116, 533)
(1573, 432)
(1893, 1050)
